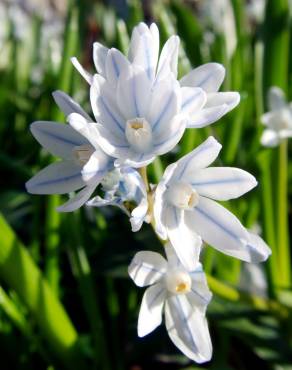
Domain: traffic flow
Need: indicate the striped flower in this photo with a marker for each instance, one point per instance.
(185, 208)
(183, 296)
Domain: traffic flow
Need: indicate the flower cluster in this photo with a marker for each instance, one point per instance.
(141, 110)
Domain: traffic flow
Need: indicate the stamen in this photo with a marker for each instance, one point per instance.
(178, 282)
(182, 195)
(139, 134)
(83, 153)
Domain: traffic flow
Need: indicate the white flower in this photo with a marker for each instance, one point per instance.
(138, 121)
(143, 52)
(182, 294)
(83, 163)
(208, 77)
(220, 15)
(124, 185)
(278, 120)
(184, 207)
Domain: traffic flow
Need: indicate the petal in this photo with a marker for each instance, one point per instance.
(146, 54)
(221, 229)
(171, 135)
(276, 98)
(158, 210)
(57, 138)
(133, 93)
(168, 59)
(147, 268)
(209, 77)
(116, 64)
(222, 183)
(206, 116)
(104, 107)
(150, 315)
(261, 250)
(57, 178)
(270, 138)
(135, 39)
(97, 166)
(84, 128)
(97, 201)
(78, 200)
(193, 99)
(188, 328)
(86, 75)
(165, 104)
(99, 57)
(200, 295)
(135, 160)
(113, 145)
(230, 98)
(68, 105)
(186, 242)
(217, 105)
(138, 215)
(199, 158)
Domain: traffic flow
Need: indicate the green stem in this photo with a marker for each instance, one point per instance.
(269, 216)
(19, 271)
(282, 216)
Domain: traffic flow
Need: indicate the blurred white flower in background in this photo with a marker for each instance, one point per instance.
(20, 15)
(219, 15)
(256, 10)
(278, 121)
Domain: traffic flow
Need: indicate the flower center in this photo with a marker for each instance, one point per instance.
(82, 153)
(178, 282)
(182, 195)
(139, 134)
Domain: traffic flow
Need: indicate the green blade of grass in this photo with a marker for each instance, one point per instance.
(19, 271)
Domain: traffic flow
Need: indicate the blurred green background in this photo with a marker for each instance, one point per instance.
(65, 298)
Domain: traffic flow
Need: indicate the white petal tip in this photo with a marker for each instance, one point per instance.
(259, 250)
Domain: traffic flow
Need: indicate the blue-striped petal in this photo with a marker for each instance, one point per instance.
(57, 178)
(219, 228)
(116, 63)
(150, 315)
(57, 138)
(68, 105)
(221, 183)
(79, 199)
(199, 158)
(104, 106)
(133, 93)
(184, 240)
(147, 268)
(208, 76)
(187, 328)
